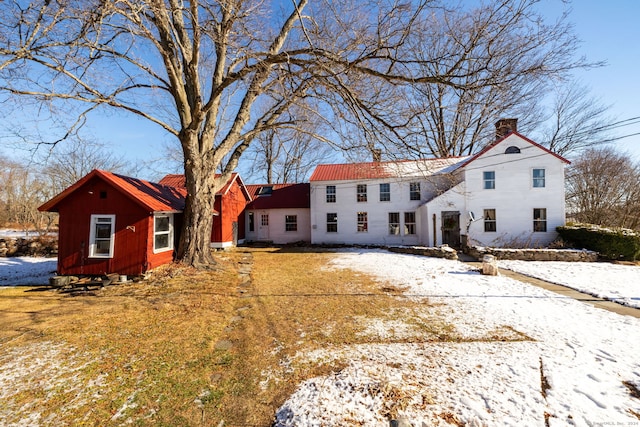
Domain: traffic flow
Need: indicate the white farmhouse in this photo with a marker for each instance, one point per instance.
(509, 194)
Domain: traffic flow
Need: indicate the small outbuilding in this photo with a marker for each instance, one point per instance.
(110, 223)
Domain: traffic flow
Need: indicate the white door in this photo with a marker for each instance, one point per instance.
(263, 226)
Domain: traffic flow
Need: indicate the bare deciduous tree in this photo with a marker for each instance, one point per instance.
(74, 158)
(602, 188)
(578, 120)
(217, 74)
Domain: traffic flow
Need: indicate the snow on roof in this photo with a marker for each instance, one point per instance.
(381, 170)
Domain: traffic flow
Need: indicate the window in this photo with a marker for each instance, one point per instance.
(489, 220)
(332, 223)
(162, 232)
(252, 224)
(101, 236)
(363, 224)
(362, 193)
(489, 179)
(512, 150)
(539, 219)
(291, 223)
(414, 191)
(538, 178)
(331, 193)
(385, 192)
(409, 223)
(394, 223)
(264, 220)
(265, 191)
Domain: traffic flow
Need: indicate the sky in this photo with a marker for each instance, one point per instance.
(609, 32)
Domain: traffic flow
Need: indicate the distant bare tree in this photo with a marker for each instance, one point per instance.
(74, 158)
(602, 188)
(503, 56)
(578, 120)
(22, 190)
(217, 74)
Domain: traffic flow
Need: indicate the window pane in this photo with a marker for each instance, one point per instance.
(362, 222)
(409, 223)
(490, 220)
(394, 223)
(103, 247)
(161, 241)
(385, 192)
(291, 223)
(414, 191)
(489, 179)
(162, 223)
(332, 223)
(103, 231)
(538, 178)
(331, 193)
(362, 193)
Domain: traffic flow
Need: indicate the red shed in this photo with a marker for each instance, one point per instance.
(111, 223)
(228, 225)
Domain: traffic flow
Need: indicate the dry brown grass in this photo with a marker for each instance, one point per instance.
(146, 352)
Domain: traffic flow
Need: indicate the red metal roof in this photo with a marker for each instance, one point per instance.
(178, 180)
(381, 170)
(282, 196)
(152, 196)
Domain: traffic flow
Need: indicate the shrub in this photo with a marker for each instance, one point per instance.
(614, 244)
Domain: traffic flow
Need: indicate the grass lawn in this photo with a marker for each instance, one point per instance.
(186, 347)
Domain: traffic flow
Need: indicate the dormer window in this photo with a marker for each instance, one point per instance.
(266, 190)
(512, 150)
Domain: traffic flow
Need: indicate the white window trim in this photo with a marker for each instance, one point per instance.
(92, 236)
(170, 232)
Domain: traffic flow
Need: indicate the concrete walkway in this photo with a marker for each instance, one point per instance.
(563, 290)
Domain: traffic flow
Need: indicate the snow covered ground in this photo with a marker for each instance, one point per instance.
(619, 283)
(16, 271)
(559, 362)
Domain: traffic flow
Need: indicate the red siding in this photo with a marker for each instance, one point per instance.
(231, 206)
(133, 228)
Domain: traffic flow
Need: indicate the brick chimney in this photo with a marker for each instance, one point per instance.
(505, 126)
(377, 154)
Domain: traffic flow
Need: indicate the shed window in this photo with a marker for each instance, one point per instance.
(162, 232)
(102, 236)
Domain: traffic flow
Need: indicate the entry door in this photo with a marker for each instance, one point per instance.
(263, 226)
(451, 228)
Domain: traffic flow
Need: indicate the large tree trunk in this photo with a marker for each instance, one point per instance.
(195, 240)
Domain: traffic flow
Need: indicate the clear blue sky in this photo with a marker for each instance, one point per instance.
(609, 31)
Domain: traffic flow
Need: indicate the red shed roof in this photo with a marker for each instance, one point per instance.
(381, 170)
(178, 180)
(150, 195)
(282, 196)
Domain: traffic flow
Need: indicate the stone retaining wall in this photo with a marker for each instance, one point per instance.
(32, 246)
(439, 252)
(572, 255)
